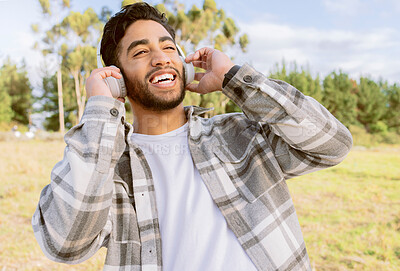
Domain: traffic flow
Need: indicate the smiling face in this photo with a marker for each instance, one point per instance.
(151, 66)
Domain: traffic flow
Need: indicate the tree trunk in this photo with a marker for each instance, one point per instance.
(60, 101)
(78, 94)
(83, 93)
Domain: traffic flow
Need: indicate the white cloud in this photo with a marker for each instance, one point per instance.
(392, 6)
(356, 53)
(344, 7)
(374, 52)
(349, 9)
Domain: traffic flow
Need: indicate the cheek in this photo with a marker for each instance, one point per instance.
(134, 69)
(179, 66)
(134, 73)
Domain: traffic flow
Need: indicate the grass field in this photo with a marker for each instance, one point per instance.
(350, 214)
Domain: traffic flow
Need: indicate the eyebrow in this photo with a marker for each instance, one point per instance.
(146, 41)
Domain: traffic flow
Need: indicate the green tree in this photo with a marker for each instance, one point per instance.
(128, 2)
(371, 105)
(84, 29)
(339, 97)
(279, 72)
(15, 82)
(72, 38)
(6, 112)
(51, 42)
(302, 80)
(392, 117)
(315, 88)
(47, 101)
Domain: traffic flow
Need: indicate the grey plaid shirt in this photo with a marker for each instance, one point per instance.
(102, 192)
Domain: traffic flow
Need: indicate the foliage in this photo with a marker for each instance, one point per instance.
(45, 5)
(392, 116)
(47, 101)
(6, 113)
(81, 60)
(82, 24)
(80, 56)
(129, 2)
(367, 107)
(302, 80)
(339, 98)
(371, 106)
(51, 43)
(15, 93)
(71, 37)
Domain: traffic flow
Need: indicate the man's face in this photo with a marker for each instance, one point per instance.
(152, 69)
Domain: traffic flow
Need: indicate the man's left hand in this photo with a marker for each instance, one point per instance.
(215, 63)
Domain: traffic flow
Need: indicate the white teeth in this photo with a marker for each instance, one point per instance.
(162, 77)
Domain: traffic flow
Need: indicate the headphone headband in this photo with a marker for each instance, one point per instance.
(99, 61)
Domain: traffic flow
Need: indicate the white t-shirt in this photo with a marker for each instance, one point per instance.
(194, 233)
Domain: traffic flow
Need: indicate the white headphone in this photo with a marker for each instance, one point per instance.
(117, 86)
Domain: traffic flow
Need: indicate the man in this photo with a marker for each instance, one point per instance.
(177, 191)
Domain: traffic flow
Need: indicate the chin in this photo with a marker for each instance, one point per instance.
(156, 98)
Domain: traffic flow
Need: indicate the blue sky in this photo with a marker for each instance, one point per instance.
(360, 37)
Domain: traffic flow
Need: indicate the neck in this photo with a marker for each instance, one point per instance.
(151, 122)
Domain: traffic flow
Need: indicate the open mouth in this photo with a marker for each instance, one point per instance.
(163, 79)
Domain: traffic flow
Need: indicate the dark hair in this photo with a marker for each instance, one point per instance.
(115, 28)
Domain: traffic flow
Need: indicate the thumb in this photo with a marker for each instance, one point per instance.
(193, 87)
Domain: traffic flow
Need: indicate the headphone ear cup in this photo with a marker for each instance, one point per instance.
(117, 86)
(189, 71)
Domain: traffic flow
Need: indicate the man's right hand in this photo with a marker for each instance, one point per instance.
(95, 84)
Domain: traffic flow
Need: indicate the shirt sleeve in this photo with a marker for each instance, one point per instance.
(71, 221)
(303, 134)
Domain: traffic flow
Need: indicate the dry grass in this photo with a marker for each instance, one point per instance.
(350, 214)
(24, 170)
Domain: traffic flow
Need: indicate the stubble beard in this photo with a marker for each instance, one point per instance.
(139, 91)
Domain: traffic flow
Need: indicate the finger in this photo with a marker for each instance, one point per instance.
(121, 99)
(199, 64)
(110, 72)
(113, 68)
(192, 87)
(199, 54)
(198, 76)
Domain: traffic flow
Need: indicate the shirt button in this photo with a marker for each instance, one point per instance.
(238, 91)
(247, 79)
(114, 112)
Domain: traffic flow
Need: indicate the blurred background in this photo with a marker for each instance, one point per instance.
(344, 53)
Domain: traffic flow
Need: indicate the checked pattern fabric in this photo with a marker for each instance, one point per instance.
(102, 192)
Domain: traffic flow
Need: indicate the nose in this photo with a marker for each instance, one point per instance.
(160, 59)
